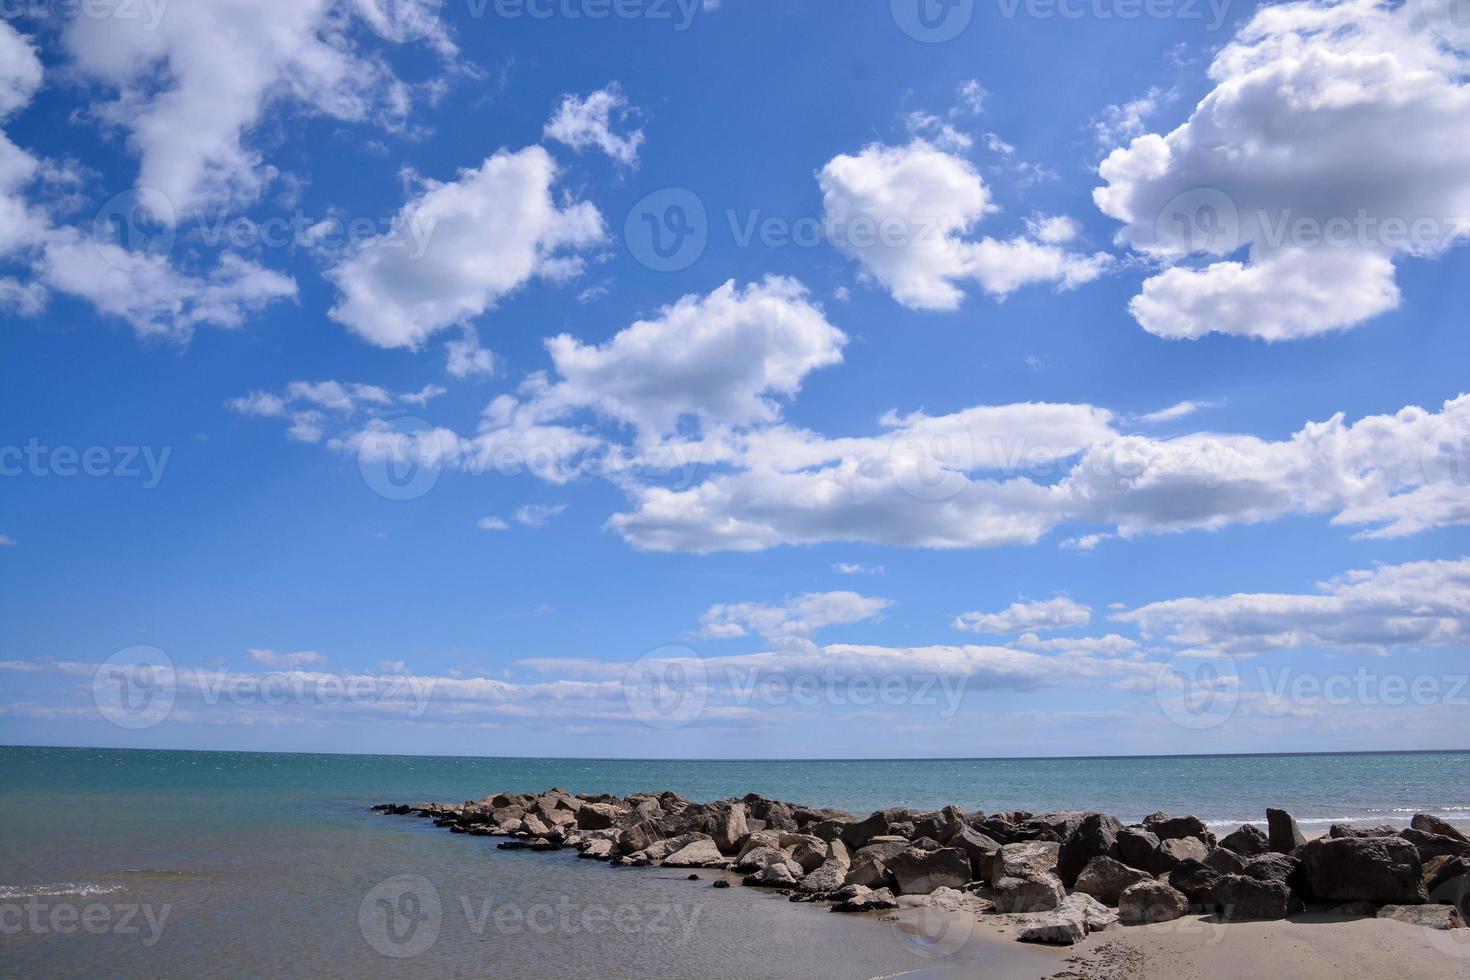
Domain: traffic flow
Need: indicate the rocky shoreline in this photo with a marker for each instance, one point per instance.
(1062, 875)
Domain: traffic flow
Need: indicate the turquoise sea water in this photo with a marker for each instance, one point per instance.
(261, 864)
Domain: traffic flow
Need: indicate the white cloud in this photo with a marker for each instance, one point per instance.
(194, 79)
(492, 524)
(287, 661)
(792, 622)
(6, 541)
(538, 515)
(20, 70)
(905, 213)
(304, 404)
(1025, 617)
(1330, 146)
(720, 357)
(481, 237)
(1179, 410)
(1417, 604)
(582, 123)
(846, 568)
(465, 358)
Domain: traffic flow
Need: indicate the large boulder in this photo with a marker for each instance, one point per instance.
(1026, 857)
(1105, 879)
(699, 854)
(1039, 892)
(1282, 831)
(830, 877)
(1095, 835)
(1442, 870)
(783, 875)
(918, 872)
(940, 826)
(1248, 841)
(758, 858)
(1197, 882)
(640, 836)
(661, 849)
(723, 822)
(1177, 849)
(1435, 845)
(1169, 827)
(1344, 830)
(1276, 866)
(858, 898)
(869, 866)
(808, 851)
(597, 816)
(1424, 916)
(1368, 869)
(1242, 897)
(979, 848)
(857, 835)
(1139, 848)
(1433, 825)
(1070, 922)
(1223, 860)
(1151, 900)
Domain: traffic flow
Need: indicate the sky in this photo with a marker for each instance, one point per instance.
(713, 378)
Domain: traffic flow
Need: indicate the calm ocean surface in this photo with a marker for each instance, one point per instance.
(257, 864)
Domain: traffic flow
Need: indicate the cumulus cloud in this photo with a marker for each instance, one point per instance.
(793, 621)
(1416, 604)
(583, 123)
(723, 357)
(481, 237)
(1024, 617)
(906, 214)
(306, 404)
(287, 661)
(194, 80)
(538, 515)
(1329, 148)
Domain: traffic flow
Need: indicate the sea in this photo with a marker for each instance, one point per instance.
(142, 863)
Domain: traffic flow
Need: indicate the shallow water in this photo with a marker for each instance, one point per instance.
(228, 864)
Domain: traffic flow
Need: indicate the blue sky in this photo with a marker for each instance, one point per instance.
(996, 424)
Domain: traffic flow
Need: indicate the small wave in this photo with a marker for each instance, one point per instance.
(58, 890)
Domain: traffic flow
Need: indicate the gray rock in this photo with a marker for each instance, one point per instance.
(1248, 841)
(808, 851)
(597, 816)
(760, 857)
(598, 850)
(1096, 835)
(640, 836)
(1151, 901)
(1095, 915)
(857, 898)
(1433, 825)
(1338, 830)
(1431, 846)
(784, 875)
(1139, 848)
(1038, 892)
(1171, 828)
(1224, 861)
(1055, 929)
(828, 878)
(1370, 869)
(857, 835)
(1283, 832)
(1241, 897)
(1424, 916)
(918, 872)
(1026, 857)
(1105, 879)
(1274, 867)
(1182, 849)
(659, 850)
(1197, 881)
(699, 854)
(1443, 869)
(979, 848)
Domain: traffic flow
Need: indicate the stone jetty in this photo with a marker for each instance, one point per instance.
(1061, 875)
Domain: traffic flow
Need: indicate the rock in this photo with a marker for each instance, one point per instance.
(858, 898)
(1139, 848)
(1424, 916)
(1105, 879)
(826, 829)
(1224, 861)
(1056, 929)
(597, 816)
(1172, 828)
(918, 872)
(869, 866)
(1358, 909)
(535, 826)
(1197, 881)
(722, 883)
(641, 835)
(940, 826)
(807, 851)
(1151, 901)
(1371, 869)
(1095, 915)
(1275, 867)
(543, 844)
(700, 854)
(857, 835)
(1037, 892)
(1026, 857)
(1242, 897)
(1343, 830)
(979, 848)
(828, 878)
(1283, 833)
(659, 850)
(728, 826)
(1177, 849)
(924, 844)
(1248, 841)
(598, 850)
(760, 857)
(757, 840)
(1431, 846)
(1433, 825)
(1095, 835)
(776, 876)
(1443, 869)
